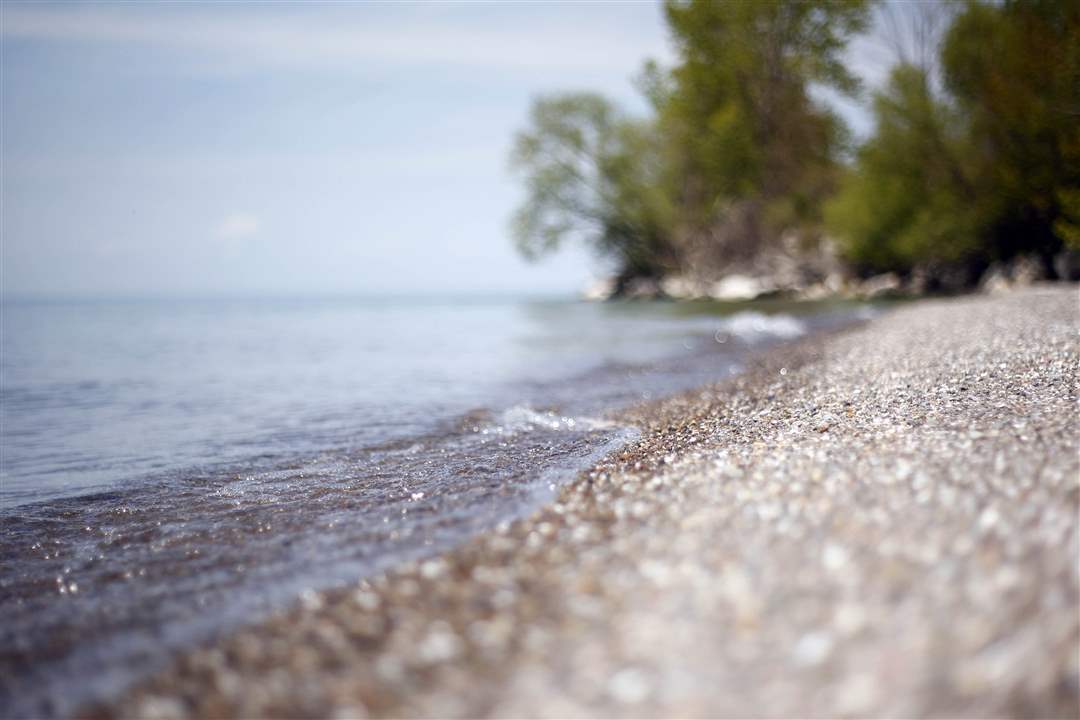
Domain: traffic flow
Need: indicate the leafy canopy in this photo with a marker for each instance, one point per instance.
(985, 170)
(594, 175)
(979, 163)
(739, 112)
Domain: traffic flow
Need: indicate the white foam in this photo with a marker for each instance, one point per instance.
(522, 418)
(751, 326)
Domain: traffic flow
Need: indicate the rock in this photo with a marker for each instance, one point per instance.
(824, 421)
(160, 707)
(879, 286)
(739, 287)
(600, 289)
(682, 288)
(918, 282)
(835, 284)
(995, 279)
(1067, 265)
(1026, 270)
(1021, 271)
(642, 289)
(817, 291)
(813, 648)
(629, 686)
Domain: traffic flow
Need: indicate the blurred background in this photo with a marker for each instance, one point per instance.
(237, 149)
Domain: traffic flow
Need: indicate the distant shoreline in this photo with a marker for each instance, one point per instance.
(838, 282)
(880, 521)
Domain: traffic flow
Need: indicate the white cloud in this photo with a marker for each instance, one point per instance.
(238, 226)
(612, 38)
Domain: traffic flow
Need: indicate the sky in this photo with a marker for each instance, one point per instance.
(237, 148)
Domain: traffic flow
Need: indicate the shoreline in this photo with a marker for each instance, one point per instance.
(227, 545)
(879, 521)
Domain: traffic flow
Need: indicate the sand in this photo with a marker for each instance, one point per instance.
(880, 522)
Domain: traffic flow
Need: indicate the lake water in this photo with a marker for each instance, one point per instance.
(171, 468)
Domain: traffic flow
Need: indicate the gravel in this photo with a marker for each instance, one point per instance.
(883, 522)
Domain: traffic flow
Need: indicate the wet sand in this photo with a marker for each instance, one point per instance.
(879, 522)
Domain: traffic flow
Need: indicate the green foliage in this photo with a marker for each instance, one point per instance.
(739, 115)
(734, 122)
(593, 175)
(907, 200)
(1067, 225)
(738, 149)
(990, 168)
(1015, 70)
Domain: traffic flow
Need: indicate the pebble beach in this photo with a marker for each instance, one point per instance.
(881, 521)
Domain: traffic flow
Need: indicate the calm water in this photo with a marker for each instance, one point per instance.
(168, 469)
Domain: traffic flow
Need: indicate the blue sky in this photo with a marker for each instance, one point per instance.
(242, 148)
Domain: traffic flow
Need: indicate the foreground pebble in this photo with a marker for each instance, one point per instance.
(883, 522)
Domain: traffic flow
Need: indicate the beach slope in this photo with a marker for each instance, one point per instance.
(879, 522)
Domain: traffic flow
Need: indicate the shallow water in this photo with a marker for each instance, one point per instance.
(170, 468)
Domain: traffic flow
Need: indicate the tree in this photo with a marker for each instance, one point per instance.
(593, 175)
(908, 200)
(1014, 69)
(983, 170)
(738, 142)
(740, 117)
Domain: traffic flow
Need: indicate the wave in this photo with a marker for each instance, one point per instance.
(751, 327)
